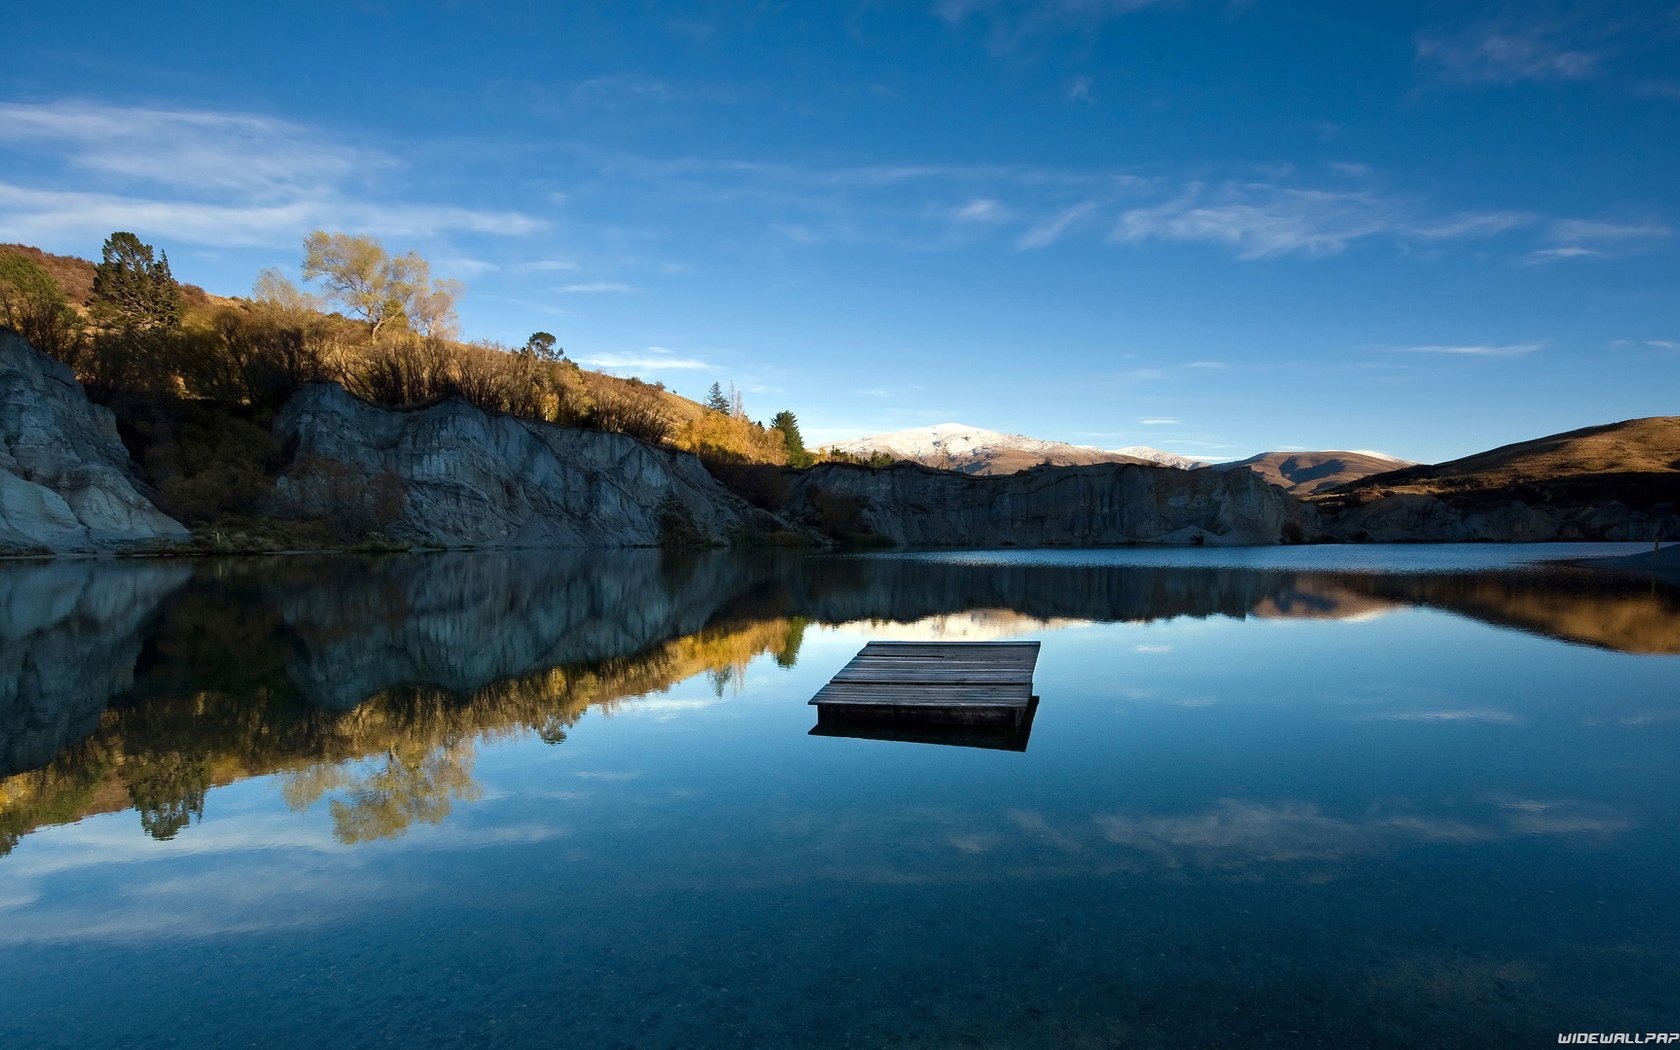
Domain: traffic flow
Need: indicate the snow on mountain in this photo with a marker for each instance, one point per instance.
(975, 450)
(1155, 455)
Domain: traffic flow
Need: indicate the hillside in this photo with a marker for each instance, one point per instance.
(1304, 473)
(976, 450)
(75, 277)
(1635, 463)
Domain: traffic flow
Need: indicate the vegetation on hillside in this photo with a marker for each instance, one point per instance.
(195, 379)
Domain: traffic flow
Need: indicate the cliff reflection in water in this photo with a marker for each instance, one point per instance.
(369, 682)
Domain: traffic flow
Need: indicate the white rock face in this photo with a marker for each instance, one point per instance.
(64, 474)
(452, 475)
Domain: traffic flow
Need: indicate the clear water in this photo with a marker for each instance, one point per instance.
(1334, 797)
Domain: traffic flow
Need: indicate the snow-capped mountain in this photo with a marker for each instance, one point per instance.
(975, 450)
(1155, 455)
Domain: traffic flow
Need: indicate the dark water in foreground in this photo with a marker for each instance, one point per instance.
(1337, 797)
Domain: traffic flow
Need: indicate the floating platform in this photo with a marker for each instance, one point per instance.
(923, 684)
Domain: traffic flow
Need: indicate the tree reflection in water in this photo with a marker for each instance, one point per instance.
(369, 682)
(412, 783)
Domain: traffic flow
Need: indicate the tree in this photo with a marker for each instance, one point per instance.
(787, 424)
(281, 297)
(133, 291)
(541, 346)
(382, 289)
(33, 305)
(716, 399)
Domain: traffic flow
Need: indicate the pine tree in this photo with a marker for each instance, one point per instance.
(133, 291)
(787, 424)
(716, 399)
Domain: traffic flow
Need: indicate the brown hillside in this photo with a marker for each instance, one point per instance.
(75, 276)
(1011, 461)
(1304, 473)
(1635, 462)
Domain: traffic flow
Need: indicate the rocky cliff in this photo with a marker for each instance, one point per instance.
(64, 473)
(1058, 506)
(453, 475)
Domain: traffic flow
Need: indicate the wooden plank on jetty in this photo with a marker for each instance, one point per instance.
(933, 683)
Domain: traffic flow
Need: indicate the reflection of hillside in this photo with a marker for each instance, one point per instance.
(368, 681)
(1627, 615)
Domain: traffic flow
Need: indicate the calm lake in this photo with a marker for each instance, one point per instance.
(1333, 796)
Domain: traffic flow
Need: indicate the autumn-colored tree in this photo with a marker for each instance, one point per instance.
(385, 290)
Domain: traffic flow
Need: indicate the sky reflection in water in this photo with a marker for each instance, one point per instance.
(528, 798)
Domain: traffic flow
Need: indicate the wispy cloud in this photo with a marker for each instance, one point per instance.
(1158, 421)
(596, 287)
(244, 153)
(1047, 232)
(1505, 52)
(1465, 225)
(1566, 230)
(981, 209)
(33, 215)
(207, 177)
(1541, 256)
(649, 359)
(1475, 350)
(1080, 90)
(1260, 220)
(1217, 365)
(618, 89)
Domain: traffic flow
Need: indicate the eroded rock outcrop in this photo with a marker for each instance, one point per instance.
(453, 475)
(1058, 506)
(64, 473)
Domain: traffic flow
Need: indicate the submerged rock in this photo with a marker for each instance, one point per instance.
(64, 473)
(454, 475)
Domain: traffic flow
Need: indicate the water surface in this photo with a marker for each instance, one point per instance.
(1327, 796)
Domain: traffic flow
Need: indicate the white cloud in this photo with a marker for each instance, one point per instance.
(651, 359)
(243, 153)
(205, 177)
(1046, 233)
(981, 209)
(1505, 53)
(1565, 230)
(1473, 224)
(32, 215)
(1216, 365)
(1261, 220)
(1476, 350)
(1158, 421)
(595, 287)
(1546, 255)
(1080, 90)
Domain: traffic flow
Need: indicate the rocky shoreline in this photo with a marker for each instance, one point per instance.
(450, 475)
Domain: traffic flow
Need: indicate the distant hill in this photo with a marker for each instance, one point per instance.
(1635, 463)
(975, 450)
(1304, 473)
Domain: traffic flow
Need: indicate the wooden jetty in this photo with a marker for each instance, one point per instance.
(975, 684)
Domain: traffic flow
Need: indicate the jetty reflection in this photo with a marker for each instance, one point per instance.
(367, 683)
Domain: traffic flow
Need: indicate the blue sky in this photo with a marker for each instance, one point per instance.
(1215, 227)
